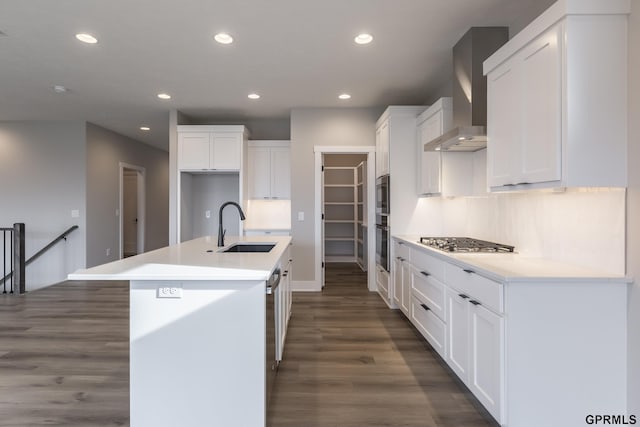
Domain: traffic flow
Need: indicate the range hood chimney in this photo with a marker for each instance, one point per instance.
(470, 90)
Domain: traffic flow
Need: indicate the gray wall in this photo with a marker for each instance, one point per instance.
(43, 171)
(325, 127)
(105, 151)
(633, 211)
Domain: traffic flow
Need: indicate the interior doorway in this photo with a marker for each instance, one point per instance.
(345, 210)
(132, 210)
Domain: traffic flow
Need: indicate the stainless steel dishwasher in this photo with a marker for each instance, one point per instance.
(271, 362)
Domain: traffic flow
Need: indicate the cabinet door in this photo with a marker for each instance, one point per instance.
(397, 281)
(193, 150)
(431, 167)
(487, 358)
(382, 150)
(226, 151)
(431, 173)
(504, 124)
(458, 333)
(542, 103)
(406, 289)
(258, 175)
(280, 173)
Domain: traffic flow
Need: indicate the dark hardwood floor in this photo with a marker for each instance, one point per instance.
(64, 356)
(349, 361)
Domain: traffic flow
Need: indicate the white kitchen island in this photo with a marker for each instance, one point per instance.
(197, 331)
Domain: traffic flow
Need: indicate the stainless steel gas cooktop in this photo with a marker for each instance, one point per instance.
(464, 244)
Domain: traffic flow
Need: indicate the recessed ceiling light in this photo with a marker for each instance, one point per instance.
(344, 96)
(253, 96)
(86, 38)
(223, 38)
(60, 89)
(363, 38)
(164, 96)
(145, 128)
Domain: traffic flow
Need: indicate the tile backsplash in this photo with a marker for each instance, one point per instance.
(580, 226)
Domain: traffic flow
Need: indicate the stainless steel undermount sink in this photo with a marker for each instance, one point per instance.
(249, 247)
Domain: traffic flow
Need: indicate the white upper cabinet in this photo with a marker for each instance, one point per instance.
(210, 148)
(557, 101)
(193, 150)
(269, 170)
(436, 120)
(382, 149)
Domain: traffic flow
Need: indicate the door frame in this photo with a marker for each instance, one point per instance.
(141, 206)
(370, 152)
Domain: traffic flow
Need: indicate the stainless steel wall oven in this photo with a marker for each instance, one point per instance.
(382, 222)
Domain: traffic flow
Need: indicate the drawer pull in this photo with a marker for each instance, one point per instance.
(425, 307)
(463, 296)
(468, 271)
(425, 273)
(399, 258)
(474, 302)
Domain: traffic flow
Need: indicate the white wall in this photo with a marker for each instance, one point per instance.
(105, 151)
(43, 171)
(633, 211)
(311, 127)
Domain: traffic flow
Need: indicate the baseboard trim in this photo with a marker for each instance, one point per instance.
(305, 286)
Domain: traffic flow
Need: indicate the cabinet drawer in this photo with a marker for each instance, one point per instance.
(429, 290)
(428, 263)
(382, 279)
(486, 291)
(429, 325)
(400, 249)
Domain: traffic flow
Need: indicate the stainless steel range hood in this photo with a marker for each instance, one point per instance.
(470, 90)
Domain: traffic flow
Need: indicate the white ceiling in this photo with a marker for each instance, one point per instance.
(295, 53)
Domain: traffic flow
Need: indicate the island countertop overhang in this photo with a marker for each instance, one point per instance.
(198, 259)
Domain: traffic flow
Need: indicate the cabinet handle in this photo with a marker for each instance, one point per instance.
(265, 197)
(463, 296)
(509, 185)
(474, 302)
(425, 307)
(523, 183)
(425, 273)
(399, 258)
(468, 271)
(401, 243)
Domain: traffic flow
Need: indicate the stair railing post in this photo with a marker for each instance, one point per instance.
(19, 257)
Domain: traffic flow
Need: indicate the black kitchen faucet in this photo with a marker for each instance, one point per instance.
(221, 231)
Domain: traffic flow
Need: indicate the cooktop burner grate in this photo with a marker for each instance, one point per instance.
(465, 244)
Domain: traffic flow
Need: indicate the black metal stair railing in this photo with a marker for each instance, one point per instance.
(13, 246)
(17, 263)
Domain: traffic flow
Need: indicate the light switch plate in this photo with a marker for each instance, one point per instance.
(300, 216)
(75, 213)
(170, 291)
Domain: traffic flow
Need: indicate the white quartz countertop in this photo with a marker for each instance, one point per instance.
(514, 267)
(198, 259)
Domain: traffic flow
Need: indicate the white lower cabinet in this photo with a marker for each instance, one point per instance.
(382, 281)
(429, 325)
(522, 345)
(407, 280)
(486, 361)
(457, 307)
(284, 298)
(401, 289)
(459, 313)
